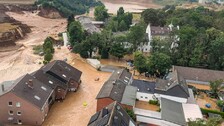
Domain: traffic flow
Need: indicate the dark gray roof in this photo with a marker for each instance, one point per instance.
(48, 79)
(198, 74)
(174, 85)
(172, 111)
(112, 115)
(87, 24)
(114, 87)
(156, 30)
(144, 86)
(38, 95)
(62, 71)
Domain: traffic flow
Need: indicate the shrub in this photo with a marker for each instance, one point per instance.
(45, 62)
(206, 111)
(220, 103)
(48, 57)
(154, 102)
(131, 114)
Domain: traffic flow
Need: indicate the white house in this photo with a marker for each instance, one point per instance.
(157, 32)
(174, 87)
(172, 114)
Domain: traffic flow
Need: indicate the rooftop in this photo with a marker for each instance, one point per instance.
(198, 74)
(62, 70)
(144, 86)
(32, 90)
(174, 85)
(48, 79)
(88, 24)
(112, 115)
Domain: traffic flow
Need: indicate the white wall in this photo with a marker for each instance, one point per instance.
(154, 121)
(177, 99)
(144, 96)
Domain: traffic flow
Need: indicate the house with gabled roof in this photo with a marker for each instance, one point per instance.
(65, 73)
(25, 101)
(117, 88)
(111, 115)
(172, 114)
(198, 75)
(60, 88)
(173, 87)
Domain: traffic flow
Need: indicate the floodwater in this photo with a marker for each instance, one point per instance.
(72, 112)
(129, 5)
(18, 62)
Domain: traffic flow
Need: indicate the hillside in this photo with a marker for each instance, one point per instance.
(68, 7)
(17, 1)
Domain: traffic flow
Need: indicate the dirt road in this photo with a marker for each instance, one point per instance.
(14, 64)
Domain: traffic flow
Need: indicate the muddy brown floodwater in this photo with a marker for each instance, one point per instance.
(18, 62)
(129, 5)
(71, 111)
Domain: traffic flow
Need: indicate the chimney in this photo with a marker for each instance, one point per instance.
(3, 88)
(30, 83)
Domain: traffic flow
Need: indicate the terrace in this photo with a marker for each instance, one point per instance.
(146, 106)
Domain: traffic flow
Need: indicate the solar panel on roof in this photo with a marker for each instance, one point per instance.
(103, 121)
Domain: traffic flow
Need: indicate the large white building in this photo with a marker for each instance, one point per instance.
(156, 32)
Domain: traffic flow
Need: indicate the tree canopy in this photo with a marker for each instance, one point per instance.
(100, 13)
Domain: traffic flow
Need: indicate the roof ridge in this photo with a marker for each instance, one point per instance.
(112, 112)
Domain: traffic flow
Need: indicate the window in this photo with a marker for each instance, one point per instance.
(50, 82)
(19, 121)
(18, 104)
(146, 97)
(10, 112)
(10, 118)
(141, 96)
(44, 88)
(19, 113)
(59, 90)
(37, 97)
(10, 103)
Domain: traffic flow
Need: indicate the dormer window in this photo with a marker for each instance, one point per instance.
(50, 82)
(37, 97)
(64, 75)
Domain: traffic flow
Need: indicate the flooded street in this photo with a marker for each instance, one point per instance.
(129, 5)
(71, 111)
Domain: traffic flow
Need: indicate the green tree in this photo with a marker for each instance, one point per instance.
(159, 64)
(48, 56)
(216, 86)
(76, 33)
(117, 50)
(123, 26)
(100, 13)
(70, 19)
(150, 16)
(120, 11)
(209, 122)
(140, 62)
(112, 25)
(48, 45)
(136, 35)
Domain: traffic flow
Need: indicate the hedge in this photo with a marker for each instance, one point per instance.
(154, 102)
(206, 111)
